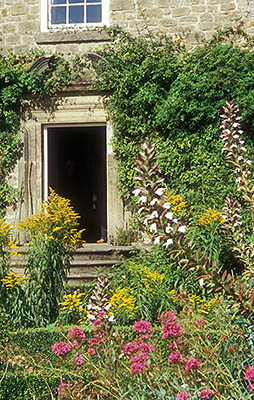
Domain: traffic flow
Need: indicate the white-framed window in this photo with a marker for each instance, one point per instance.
(57, 14)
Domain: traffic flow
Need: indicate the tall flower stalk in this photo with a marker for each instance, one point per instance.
(235, 154)
(164, 227)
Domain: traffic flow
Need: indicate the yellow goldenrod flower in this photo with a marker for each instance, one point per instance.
(72, 302)
(122, 300)
(173, 295)
(56, 220)
(176, 200)
(152, 279)
(210, 217)
(13, 279)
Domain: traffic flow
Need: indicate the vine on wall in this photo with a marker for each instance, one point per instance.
(162, 92)
(17, 82)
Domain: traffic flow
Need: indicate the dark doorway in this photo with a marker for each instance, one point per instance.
(77, 171)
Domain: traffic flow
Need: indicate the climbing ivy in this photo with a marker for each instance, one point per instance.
(159, 90)
(16, 82)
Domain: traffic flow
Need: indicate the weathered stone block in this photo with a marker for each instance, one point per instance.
(206, 17)
(28, 27)
(168, 22)
(143, 4)
(213, 9)
(12, 39)
(227, 7)
(121, 5)
(188, 20)
(118, 15)
(9, 28)
(162, 3)
(12, 2)
(153, 13)
(209, 2)
(198, 9)
(208, 26)
(5, 12)
(181, 11)
(17, 10)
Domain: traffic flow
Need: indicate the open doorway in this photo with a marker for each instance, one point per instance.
(77, 170)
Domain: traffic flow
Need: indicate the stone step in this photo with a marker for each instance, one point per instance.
(86, 262)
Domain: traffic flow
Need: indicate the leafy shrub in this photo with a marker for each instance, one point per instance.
(53, 237)
(161, 92)
(18, 81)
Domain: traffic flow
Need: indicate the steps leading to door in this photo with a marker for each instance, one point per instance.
(92, 257)
(87, 261)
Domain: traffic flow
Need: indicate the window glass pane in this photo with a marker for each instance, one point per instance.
(77, 1)
(93, 13)
(53, 2)
(93, 1)
(58, 15)
(76, 15)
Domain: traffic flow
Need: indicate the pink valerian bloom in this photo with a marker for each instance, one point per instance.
(249, 375)
(76, 333)
(183, 396)
(168, 316)
(79, 359)
(62, 348)
(138, 367)
(250, 387)
(138, 348)
(91, 351)
(139, 363)
(200, 322)
(192, 364)
(142, 327)
(130, 348)
(205, 394)
(175, 357)
(171, 329)
(146, 347)
(140, 357)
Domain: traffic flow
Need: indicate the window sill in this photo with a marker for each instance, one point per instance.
(71, 37)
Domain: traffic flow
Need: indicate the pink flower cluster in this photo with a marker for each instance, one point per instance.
(249, 376)
(142, 327)
(192, 364)
(99, 333)
(77, 334)
(139, 349)
(171, 328)
(205, 394)
(68, 390)
(183, 396)
(62, 348)
(175, 357)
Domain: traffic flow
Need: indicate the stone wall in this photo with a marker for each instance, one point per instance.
(20, 22)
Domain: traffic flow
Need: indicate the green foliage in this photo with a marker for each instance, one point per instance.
(174, 97)
(151, 281)
(53, 238)
(17, 82)
(24, 386)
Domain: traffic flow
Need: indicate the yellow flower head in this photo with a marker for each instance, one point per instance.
(151, 280)
(56, 220)
(122, 300)
(210, 217)
(72, 302)
(176, 200)
(13, 279)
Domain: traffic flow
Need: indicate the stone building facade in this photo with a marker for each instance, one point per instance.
(53, 140)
